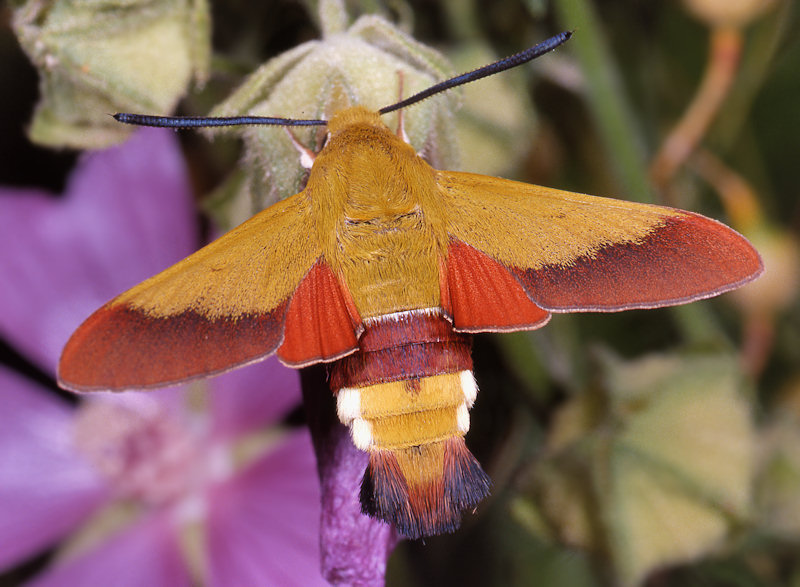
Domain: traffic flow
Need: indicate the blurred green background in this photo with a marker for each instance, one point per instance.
(648, 447)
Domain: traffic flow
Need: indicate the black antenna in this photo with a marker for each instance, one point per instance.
(481, 72)
(178, 122)
(206, 121)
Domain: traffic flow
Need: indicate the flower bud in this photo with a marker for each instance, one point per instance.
(777, 288)
(98, 57)
(728, 12)
(362, 65)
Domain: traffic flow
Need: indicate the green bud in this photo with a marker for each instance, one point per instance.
(728, 12)
(98, 57)
(361, 65)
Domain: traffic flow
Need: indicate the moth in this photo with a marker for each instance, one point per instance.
(383, 267)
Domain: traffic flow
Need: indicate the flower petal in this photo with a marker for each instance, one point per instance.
(253, 396)
(127, 213)
(46, 488)
(146, 553)
(263, 524)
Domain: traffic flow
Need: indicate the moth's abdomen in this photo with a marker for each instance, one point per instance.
(406, 397)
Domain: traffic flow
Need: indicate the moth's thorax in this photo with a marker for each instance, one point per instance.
(375, 176)
(376, 199)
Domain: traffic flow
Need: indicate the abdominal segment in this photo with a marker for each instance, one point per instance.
(405, 396)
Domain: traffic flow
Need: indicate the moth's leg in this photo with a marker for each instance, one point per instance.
(307, 156)
(401, 126)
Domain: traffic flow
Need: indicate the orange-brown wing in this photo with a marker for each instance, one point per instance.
(225, 305)
(572, 252)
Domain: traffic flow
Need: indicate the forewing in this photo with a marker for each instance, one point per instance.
(223, 306)
(573, 252)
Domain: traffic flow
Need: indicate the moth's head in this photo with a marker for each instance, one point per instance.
(354, 116)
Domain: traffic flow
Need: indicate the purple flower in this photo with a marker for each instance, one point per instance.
(169, 487)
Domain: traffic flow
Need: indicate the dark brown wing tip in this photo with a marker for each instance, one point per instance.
(120, 347)
(688, 258)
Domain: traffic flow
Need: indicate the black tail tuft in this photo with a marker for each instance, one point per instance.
(423, 490)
